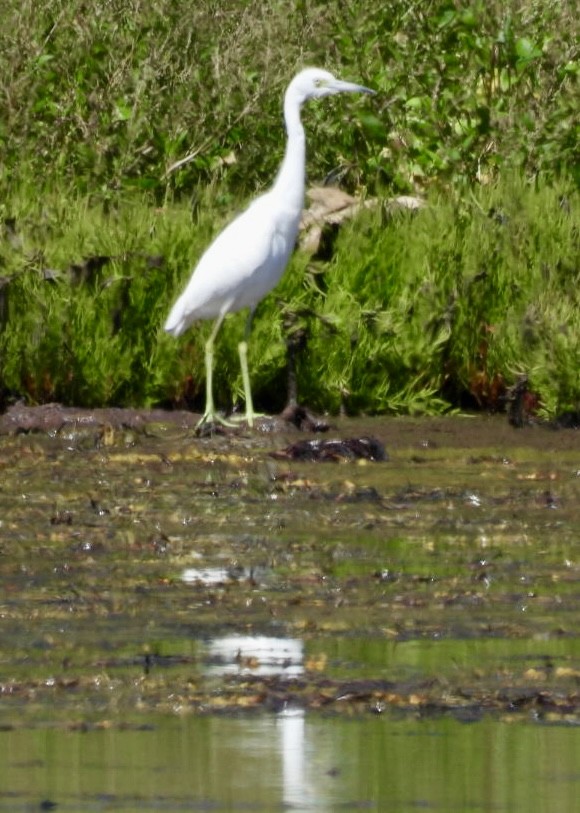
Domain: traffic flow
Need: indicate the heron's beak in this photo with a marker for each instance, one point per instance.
(338, 86)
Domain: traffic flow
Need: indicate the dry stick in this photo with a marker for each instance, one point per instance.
(183, 161)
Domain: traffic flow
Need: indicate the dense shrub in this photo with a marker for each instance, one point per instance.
(129, 133)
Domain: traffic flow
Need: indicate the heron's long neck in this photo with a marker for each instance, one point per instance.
(290, 179)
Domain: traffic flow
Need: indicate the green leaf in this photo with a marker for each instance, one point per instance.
(447, 18)
(122, 111)
(372, 124)
(44, 58)
(526, 50)
(414, 103)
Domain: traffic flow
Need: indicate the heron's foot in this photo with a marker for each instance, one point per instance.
(212, 419)
(248, 417)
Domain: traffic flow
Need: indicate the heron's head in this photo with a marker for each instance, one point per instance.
(314, 83)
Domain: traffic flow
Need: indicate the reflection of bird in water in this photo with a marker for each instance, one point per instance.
(248, 258)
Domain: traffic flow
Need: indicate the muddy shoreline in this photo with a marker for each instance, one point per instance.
(477, 429)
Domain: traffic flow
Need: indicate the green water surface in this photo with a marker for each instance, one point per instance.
(191, 624)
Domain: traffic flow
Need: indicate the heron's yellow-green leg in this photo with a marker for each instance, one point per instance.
(243, 353)
(210, 415)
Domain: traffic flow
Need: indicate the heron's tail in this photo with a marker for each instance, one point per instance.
(176, 322)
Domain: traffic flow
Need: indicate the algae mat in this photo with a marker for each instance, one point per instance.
(145, 570)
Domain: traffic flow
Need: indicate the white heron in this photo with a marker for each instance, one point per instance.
(247, 259)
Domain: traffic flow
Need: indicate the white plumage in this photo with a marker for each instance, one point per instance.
(247, 259)
(251, 255)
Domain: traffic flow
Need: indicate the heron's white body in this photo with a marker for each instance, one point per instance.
(251, 258)
(248, 258)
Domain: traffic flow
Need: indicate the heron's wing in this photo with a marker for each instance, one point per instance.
(243, 263)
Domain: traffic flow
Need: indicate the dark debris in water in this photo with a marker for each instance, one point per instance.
(303, 419)
(423, 699)
(523, 404)
(334, 451)
(567, 420)
(531, 697)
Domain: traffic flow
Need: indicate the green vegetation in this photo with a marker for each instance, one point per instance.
(129, 134)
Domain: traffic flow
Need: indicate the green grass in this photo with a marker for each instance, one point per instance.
(476, 109)
(414, 312)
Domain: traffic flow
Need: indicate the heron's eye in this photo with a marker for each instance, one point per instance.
(320, 83)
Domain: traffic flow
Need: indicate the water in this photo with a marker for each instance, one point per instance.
(293, 762)
(191, 625)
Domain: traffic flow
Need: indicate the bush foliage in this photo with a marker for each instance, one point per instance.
(113, 94)
(130, 132)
